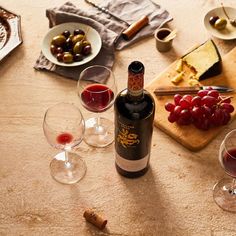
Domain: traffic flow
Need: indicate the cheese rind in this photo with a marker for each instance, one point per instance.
(205, 60)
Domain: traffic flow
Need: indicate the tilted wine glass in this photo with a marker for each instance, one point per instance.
(97, 90)
(64, 127)
(224, 192)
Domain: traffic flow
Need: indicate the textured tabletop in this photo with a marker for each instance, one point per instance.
(175, 195)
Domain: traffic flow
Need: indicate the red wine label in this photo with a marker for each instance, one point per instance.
(131, 165)
(135, 83)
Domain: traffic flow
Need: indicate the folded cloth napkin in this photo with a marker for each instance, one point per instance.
(109, 29)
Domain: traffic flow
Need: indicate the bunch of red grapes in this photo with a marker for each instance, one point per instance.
(205, 110)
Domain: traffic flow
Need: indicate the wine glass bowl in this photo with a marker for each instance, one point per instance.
(224, 192)
(97, 90)
(64, 127)
(97, 97)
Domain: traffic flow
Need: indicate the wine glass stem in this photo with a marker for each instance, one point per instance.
(233, 188)
(97, 126)
(67, 162)
(98, 120)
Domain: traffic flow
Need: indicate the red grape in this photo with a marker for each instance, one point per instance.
(202, 93)
(196, 101)
(185, 117)
(209, 101)
(183, 121)
(172, 117)
(197, 113)
(203, 124)
(184, 103)
(188, 98)
(217, 117)
(206, 124)
(227, 107)
(213, 93)
(226, 118)
(177, 98)
(206, 111)
(177, 111)
(169, 106)
(185, 114)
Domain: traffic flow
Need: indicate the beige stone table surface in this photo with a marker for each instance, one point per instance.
(173, 198)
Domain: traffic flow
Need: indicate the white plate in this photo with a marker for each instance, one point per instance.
(91, 34)
(230, 31)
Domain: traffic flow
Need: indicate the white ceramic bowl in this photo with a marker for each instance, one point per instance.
(230, 31)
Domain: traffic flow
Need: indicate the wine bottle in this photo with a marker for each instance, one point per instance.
(134, 114)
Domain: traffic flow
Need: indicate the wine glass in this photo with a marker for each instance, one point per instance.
(97, 90)
(224, 192)
(64, 127)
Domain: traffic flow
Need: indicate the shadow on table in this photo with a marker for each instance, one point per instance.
(148, 206)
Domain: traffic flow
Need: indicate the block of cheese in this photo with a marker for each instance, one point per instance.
(205, 60)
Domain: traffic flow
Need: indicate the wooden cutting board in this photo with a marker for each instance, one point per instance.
(189, 136)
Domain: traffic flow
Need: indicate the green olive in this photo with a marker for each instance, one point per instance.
(220, 24)
(77, 38)
(59, 40)
(67, 57)
(78, 47)
(86, 43)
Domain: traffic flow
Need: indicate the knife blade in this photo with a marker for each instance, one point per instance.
(172, 90)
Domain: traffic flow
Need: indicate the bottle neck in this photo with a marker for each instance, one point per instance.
(135, 84)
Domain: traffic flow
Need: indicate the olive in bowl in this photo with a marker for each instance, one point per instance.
(69, 48)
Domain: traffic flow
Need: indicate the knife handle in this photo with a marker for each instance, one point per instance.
(170, 90)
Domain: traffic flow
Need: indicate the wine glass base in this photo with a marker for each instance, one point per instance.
(223, 195)
(99, 135)
(70, 172)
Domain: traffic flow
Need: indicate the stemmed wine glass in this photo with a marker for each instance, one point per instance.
(64, 127)
(224, 192)
(97, 90)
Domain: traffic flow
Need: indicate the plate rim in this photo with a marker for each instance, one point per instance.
(15, 38)
(206, 23)
(66, 24)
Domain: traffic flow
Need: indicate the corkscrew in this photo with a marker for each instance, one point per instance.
(106, 11)
(132, 28)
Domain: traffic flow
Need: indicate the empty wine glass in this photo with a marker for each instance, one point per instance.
(63, 127)
(224, 192)
(97, 90)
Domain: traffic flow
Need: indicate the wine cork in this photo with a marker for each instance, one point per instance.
(95, 219)
(135, 27)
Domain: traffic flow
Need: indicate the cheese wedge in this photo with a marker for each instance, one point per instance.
(205, 60)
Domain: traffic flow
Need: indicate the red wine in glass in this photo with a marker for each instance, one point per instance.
(229, 162)
(64, 138)
(224, 191)
(97, 90)
(97, 97)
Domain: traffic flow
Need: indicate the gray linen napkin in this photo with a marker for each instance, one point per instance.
(109, 29)
(131, 11)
